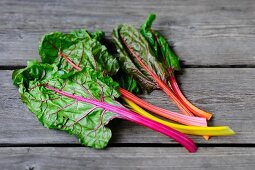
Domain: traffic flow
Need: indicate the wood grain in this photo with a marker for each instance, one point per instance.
(229, 93)
(32, 158)
(204, 32)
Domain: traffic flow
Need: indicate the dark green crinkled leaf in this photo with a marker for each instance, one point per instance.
(127, 82)
(86, 47)
(53, 43)
(33, 72)
(98, 35)
(80, 48)
(159, 44)
(129, 63)
(59, 112)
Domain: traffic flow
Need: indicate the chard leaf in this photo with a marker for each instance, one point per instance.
(33, 72)
(76, 50)
(85, 45)
(128, 41)
(159, 44)
(56, 111)
(127, 82)
(103, 61)
(98, 35)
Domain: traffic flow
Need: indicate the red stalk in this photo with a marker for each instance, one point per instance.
(179, 94)
(160, 83)
(132, 116)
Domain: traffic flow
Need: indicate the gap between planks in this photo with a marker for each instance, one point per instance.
(13, 67)
(131, 145)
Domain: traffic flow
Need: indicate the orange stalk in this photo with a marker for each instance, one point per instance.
(190, 106)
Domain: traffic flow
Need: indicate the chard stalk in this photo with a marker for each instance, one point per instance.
(190, 106)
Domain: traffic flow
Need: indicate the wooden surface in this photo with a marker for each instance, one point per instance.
(215, 40)
(115, 158)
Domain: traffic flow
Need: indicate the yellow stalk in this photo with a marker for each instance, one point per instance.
(191, 130)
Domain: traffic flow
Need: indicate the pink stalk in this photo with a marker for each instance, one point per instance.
(132, 116)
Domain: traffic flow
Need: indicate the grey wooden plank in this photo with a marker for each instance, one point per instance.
(228, 93)
(24, 158)
(205, 32)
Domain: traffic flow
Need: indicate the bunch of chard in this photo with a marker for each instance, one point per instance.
(80, 101)
(72, 88)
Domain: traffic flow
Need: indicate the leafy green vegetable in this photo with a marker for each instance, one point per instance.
(98, 35)
(127, 82)
(84, 50)
(76, 50)
(159, 44)
(86, 121)
(125, 37)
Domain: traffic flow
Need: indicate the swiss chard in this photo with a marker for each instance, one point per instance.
(165, 54)
(80, 104)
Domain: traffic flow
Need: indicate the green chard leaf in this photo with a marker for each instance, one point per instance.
(103, 60)
(159, 45)
(77, 50)
(33, 72)
(127, 82)
(98, 35)
(57, 111)
(129, 41)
